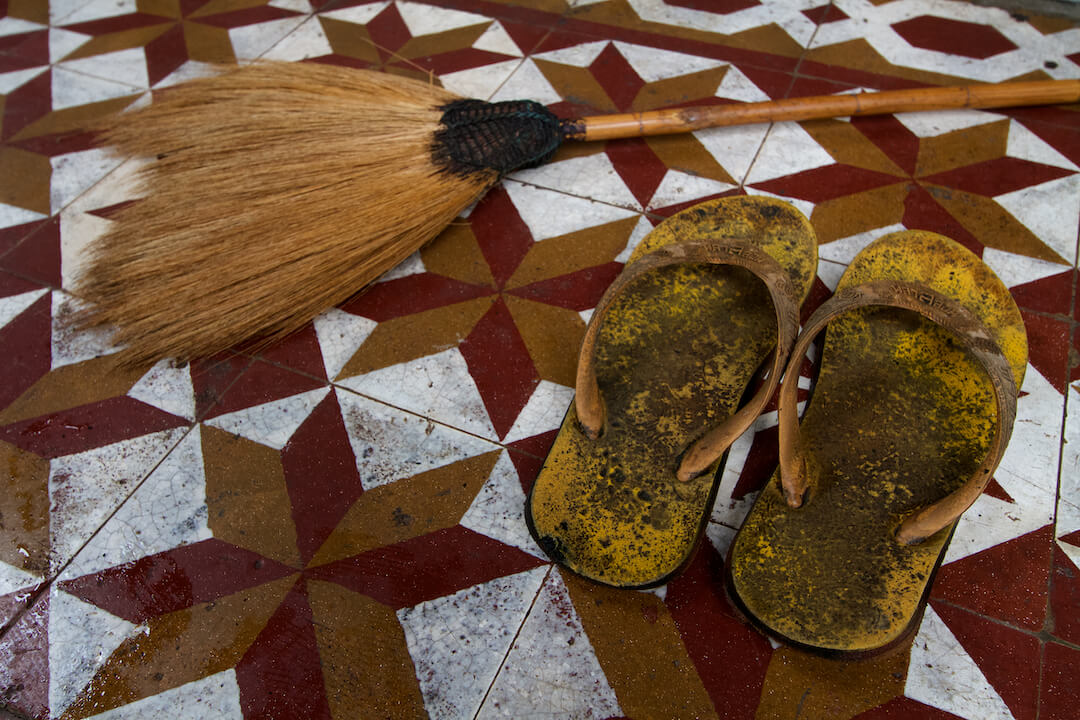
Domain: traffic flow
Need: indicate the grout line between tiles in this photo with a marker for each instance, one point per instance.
(510, 648)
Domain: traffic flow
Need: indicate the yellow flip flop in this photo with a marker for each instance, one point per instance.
(912, 409)
(709, 297)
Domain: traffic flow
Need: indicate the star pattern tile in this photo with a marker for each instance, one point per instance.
(336, 521)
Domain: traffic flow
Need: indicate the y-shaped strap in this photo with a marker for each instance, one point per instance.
(728, 251)
(973, 335)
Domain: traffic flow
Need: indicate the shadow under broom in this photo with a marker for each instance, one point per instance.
(282, 189)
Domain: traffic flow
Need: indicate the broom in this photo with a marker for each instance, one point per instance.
(281, 189)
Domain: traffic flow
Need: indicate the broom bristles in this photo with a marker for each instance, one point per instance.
(280, 191)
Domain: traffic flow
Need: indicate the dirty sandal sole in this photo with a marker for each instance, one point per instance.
(669, 353)
(910, 413)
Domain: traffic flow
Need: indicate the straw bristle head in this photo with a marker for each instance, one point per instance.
(279, 191)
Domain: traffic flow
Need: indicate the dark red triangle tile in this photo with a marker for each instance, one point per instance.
(321, 475)
(618, 78)
(760, 463)
(38, 256)
(211, 377)
(454, 61)
(531, 459)
(669, 210)
(412, 294)
(29, 102)
(502, 235)
(24, 51)
(825, 14)
(12, 236)
(15, 602)
(165, 53)
(892, 137)
(500, 365)
(1065, 598)
(280, 675)
(1072, 538)
(243, 16)
(91, 426)
(923, 212)
(1008, 581)
(731, 658)
(722, 7)
(1051, 294)
(997, 177)
(1065, 138)
(300, 351)
(118, 23)
(1048, 347)
(525, 36)
(903, 708)
(828, 183)
(1060, 690)
(24, 662)
(175, 580)
(1008, 658)
(638, 166)
(580, 290)
(27, 343)
(427, 567)
(388, 31)
(956, 37)
(262, 383)
(994, 490)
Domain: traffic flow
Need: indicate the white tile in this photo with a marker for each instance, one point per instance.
(340, 335)
(215, 697)
(74, 173)
(1023, 143)
(940, 122)
(458, 642)
(1019, 269)
(941, 674)
(576, 55)
(551, 670)
(168, 510)
(121, 68)
(9, 81)
(1051, 210)
(390, 444)
(13, 305)
(17, 26)
(70, 12)
(720, 536)
(438, 386)
(495, 39)
(307, 41)
(13, 579)
(544, 411)
(1028, 473)
(272, 423)
(82, 637)
(360, 14)
(736, 86)
(85, 488)
(679, 187)
(251, 41)
(844, 250)
(480, 82)
(64, 42)
(167, 387)
(549, 213)
(498, 510)
(652, 64)
(788, 150)
(734, 148)
(641, 230)
(71, 345)
(423, 19)
(1068, 507)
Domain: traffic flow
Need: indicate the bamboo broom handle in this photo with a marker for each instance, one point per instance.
(680, 120)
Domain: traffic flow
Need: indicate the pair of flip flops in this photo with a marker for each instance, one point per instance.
(910, 414)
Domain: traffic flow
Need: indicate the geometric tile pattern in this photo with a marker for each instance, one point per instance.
(336, 521)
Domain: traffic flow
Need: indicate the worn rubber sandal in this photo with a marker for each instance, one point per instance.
(911, 412)
(669, 353)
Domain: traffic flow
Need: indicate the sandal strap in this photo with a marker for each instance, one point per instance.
(729, 251)
(972, 334)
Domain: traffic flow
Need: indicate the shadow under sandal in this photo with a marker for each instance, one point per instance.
(709, 297)
(911, 412)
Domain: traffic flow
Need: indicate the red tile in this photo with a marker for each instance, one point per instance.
(893, 137)
(828, 183)
(923, 212)
(954, 37)
(299, 351)
(531, 458)
(29, 102)
(260, 383)
(321, 475)
(731, 658)
(1065, 598)
(412, 294)
(1048, 347)
(618, 78)
(211, 377)
(38, 256)
(426, 567)
(1051, 295)
(280, 675)
(576, 291)
(998, 177)
(15, 602)
(500, 365)
(502, 235)
(85, 427)
(174, 580)
(718, 7)
(12, 236)
(638, 166)
(1060, 689)
(903, 708)
(825, 14)
(24, 662)
(1008, 658)
(24, 51)
(1008, 581)
(27, 343)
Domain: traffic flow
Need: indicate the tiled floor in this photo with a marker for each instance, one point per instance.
(333, 528)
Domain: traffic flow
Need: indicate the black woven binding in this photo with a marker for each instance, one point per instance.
(502, 136)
